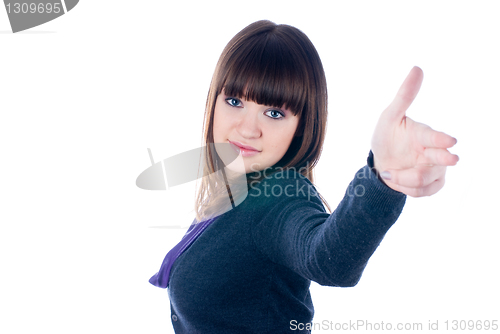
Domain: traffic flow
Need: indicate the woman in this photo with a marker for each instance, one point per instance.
(246, 267)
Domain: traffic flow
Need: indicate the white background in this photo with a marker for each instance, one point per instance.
(83, 97)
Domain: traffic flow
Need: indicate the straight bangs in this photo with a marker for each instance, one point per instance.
(268, 72)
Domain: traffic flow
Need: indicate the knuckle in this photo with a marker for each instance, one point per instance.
(441, 183)
(434, 138)
(436, 186)
(420, 180)
(416, 192)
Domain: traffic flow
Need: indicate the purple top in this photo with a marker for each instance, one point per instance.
(161, 278)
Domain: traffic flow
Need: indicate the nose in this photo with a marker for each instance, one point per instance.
(248, 126)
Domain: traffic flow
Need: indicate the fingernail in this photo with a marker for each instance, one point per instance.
(386, 175)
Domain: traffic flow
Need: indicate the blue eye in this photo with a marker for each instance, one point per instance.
(233, 102)
(275, 114)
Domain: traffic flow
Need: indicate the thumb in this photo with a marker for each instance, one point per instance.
(405, 96)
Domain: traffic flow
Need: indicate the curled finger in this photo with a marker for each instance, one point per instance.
(417, 177)
(428, 190)
(440, 156)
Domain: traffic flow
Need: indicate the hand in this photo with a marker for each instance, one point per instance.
(414, 155)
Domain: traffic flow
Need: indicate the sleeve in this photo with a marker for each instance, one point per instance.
(330, 249)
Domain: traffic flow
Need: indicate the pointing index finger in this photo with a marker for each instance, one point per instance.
(406, 94)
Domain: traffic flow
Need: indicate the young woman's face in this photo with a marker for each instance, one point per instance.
(262, 134)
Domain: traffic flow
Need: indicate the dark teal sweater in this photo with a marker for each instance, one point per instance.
(250, 270)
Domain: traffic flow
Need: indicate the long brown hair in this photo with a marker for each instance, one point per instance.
(274, 65)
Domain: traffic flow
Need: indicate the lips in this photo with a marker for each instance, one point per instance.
(245, 150)
(246, 147)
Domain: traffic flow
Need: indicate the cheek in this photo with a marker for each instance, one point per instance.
(223, 125)
(218, 126)
(284, 138)
(280, 142)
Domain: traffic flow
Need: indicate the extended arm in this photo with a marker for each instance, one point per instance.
(331, 249)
